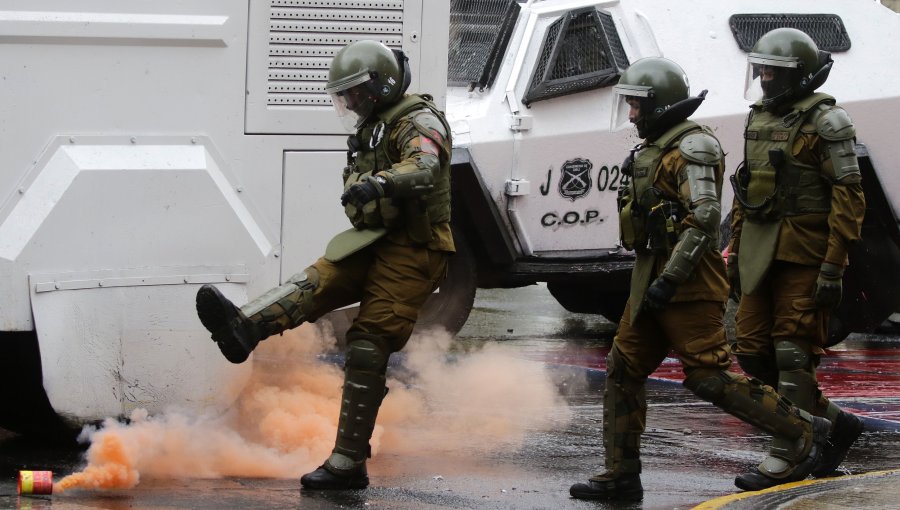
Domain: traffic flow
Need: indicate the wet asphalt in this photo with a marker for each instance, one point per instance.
(691, 451)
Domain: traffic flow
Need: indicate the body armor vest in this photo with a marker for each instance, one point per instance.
(645, 217)
(773, 184)
(375, 153)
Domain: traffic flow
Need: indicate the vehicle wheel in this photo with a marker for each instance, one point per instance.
(447, 308)
(871, 286)
(450, 306)
(588, 299)
(24, 406)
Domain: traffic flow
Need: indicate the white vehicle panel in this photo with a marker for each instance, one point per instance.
(312, 190)
(575, 127)
(148, 354)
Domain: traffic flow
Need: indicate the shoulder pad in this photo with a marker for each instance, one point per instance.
(834, 125)
(426, 119)
(701, 148)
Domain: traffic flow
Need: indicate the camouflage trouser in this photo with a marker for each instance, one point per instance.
(695, 331)
(780, 335)
(391, 283)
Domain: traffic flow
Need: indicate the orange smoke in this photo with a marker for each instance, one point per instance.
(285, 421)
(111, 467)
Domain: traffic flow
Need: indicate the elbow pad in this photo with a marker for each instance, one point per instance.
(413, 182)
(841, 165)
(707, 215)
(685, 256)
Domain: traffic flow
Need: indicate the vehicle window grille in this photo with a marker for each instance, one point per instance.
(581, 51)
(304, 35)
(479, 34)
(827, 30)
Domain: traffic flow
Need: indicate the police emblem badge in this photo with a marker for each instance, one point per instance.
(575, 181)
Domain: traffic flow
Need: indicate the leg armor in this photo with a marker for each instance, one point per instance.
(797, 381)
(796, 374)
(624, 414)
(237, 331)
(364, 389)
(752, 402)
(799, 438)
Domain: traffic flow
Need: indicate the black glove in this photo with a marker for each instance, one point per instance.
(362, 192)
(659, 294)
(828, 286)
(734, 276)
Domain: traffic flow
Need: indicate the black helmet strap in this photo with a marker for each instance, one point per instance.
(807, 86)
(674, 115)
(403, 63)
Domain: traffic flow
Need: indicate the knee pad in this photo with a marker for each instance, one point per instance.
(366, 355)
(790, 356)
(615, 365)
(617, 372)
(709, 385)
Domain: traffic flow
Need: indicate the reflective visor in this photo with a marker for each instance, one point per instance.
(353, 106)
(757, 66)
(620, 108)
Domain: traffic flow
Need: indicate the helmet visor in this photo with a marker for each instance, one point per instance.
(628, 103)
(353, 105)
(768, 76)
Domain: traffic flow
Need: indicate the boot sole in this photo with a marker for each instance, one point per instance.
(585, 492)
(342, 486)
(216, 314)
(349, 487)
(607, 497)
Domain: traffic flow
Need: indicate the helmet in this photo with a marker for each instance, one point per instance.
(365, 77)
(785, 63)
(646, 94)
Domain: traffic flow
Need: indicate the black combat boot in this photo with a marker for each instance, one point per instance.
(845, 431)
(350, 475)
(624, 487)
(233, 332)
(756, 480)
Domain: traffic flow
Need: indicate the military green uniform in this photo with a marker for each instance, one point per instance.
(803, 206)
(392, 259)
(397, 197)
(681, 173)
(392, 277)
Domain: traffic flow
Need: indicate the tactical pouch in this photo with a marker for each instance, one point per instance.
(418, 225)
(377, 213)
(355, 214)
(662, 226)
(631, 226)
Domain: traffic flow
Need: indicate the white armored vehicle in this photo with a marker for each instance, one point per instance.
(147, 148)
(537, 169)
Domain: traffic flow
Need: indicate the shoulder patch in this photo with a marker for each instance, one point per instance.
(835, 125)
(701, 148)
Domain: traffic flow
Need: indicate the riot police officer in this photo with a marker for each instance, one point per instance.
(798, 207)
(397, 197)
(669, 215)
